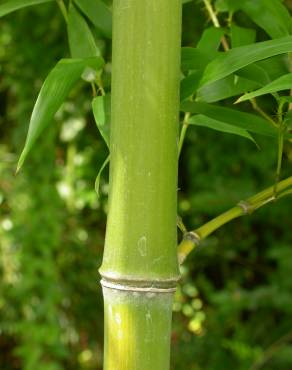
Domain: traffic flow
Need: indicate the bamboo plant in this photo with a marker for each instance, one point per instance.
(140, 268)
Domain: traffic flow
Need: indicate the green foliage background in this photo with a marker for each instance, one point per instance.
(233, 308)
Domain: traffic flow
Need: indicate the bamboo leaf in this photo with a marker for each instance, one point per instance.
(195, 59)
(210, 40)
(54, 91)
(97, 180)
(281, 83)
(98, 13)
(272, 16)
(81, 40)
(214, 124)
(240, 57)
(225, 88)
(247, 121)
(242, 36)
(101, 106)
(10, 6)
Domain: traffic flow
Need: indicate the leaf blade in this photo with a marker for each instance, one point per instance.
(101, 106)
(247, 121)
(13, 5)
(281, 83)
(98, 13)
(54, 91)
(238, 58)
(204, 121)
(81, 40)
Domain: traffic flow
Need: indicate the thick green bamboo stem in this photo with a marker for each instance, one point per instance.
(140, 267)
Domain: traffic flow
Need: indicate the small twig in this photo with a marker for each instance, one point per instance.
(216, 22)
(63, 9)
(246, 207)
(185, 126)
(262, 112)
(270, 351)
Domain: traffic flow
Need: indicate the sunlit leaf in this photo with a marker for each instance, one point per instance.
(271, 15)
(237, 58)
(247, 121)
(282, 83)
(210, 39)
(225, 88)
(10, 6)
(98, 13)
(81, 40)
(54, 91)
(204, 121)
(242, 36)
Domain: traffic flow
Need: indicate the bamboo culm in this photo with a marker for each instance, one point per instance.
(140, 266)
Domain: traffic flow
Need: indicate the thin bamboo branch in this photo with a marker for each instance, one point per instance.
(216, 22)
(192, 239)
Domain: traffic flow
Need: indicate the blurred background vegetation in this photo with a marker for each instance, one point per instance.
(233, 308)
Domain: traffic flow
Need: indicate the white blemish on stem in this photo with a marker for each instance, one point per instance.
(142, 246)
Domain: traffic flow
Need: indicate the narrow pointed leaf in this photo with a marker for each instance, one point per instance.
(81, 40)
(225, 88)
(54, 91)
(101, 106)
(271, 15)
(190, 84)
(282, 83)
(204, 121)
(195, 59)
(237, 58)
(97, 180)
(98, 13)
(10, 6)
(247, 121)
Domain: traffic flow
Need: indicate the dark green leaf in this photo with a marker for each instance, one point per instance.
(54, 91)
(10, 6)
(282, 83)
(98, 13)
(237, 58)
(204, 121)
(194, 59)
(247, 121)
(101, 106)
(242, 36)
(81, 40)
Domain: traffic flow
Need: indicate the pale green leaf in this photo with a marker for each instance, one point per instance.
(282, 83)
(98, 13)
(97, 180)
(101, 106)
(204, 121)
(237, 58)
(54, 91)
(247, 121)
(81, 40)
(10, 6)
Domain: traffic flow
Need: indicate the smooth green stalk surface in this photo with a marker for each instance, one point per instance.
(139, 328)
(141, 229)
(140, 248)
